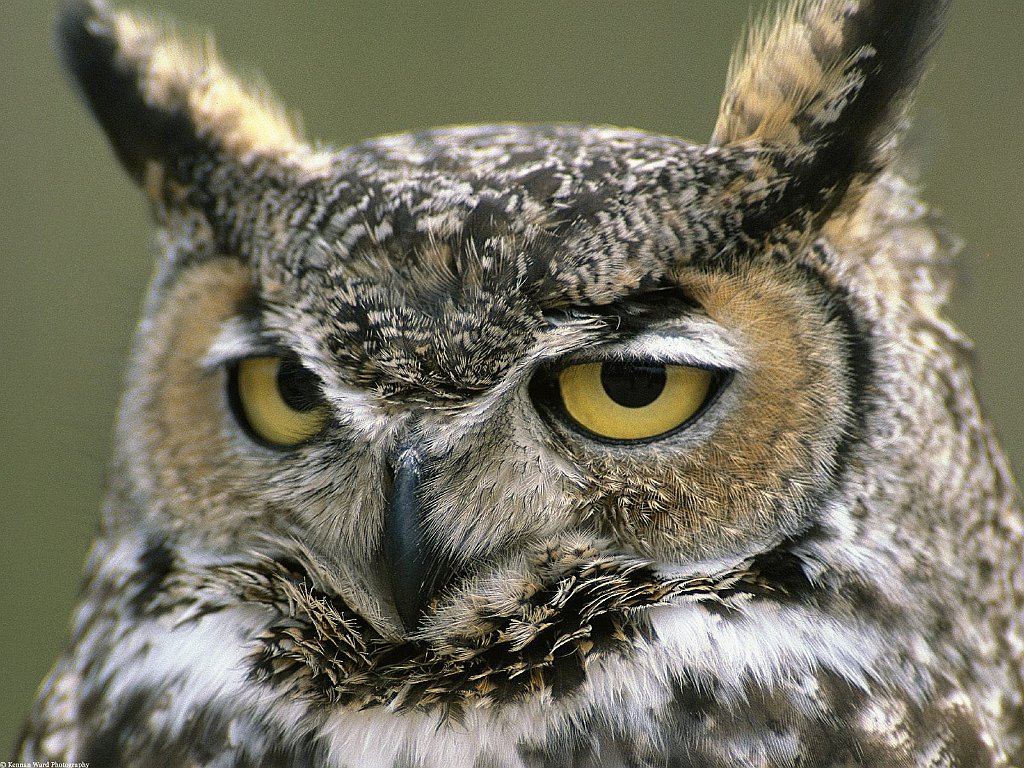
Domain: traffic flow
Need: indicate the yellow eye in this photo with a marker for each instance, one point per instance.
(632, 401)
(276, 400)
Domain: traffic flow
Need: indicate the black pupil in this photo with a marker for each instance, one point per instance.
(299, 388)
(633, 385)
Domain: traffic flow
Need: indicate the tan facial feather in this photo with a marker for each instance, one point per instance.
(176, 448)
(769, 457)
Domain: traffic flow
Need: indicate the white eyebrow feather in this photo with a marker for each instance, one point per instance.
(236, 339)
(694, 341)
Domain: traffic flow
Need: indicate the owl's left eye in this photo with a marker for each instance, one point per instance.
(276, 400)
(627, 401)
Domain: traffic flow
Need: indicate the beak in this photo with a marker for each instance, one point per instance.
(414, 566)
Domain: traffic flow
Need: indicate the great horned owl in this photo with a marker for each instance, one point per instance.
(545, 445)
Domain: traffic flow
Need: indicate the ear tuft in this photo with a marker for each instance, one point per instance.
(159, 99)
(828, 83)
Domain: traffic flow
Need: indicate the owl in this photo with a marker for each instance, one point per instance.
(519, 446)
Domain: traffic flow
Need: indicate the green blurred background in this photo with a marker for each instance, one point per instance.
(75, 240)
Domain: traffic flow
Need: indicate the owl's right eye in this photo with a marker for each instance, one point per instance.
(276, 400)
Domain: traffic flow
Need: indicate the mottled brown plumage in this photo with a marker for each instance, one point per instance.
(417, 541)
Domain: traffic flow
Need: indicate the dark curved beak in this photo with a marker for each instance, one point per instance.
(414, 566)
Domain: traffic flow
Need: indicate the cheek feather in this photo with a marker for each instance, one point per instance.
(177, 405)
(766, 452)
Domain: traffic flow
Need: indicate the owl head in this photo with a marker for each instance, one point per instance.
(464, 410)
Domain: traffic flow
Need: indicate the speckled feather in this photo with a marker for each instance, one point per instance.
(823, 568)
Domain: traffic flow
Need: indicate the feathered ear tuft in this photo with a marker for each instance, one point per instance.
(828, 84)
(163, 101)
